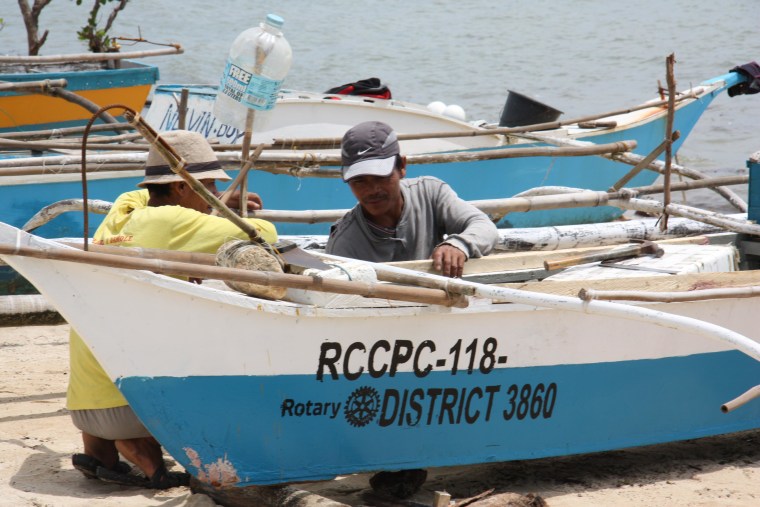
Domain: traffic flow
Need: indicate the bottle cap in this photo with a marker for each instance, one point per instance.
(275, 20)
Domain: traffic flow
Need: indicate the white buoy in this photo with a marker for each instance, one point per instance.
(454, 111)
(436, 107)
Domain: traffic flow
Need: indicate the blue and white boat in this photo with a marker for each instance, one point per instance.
(301, 115)
(250, 391)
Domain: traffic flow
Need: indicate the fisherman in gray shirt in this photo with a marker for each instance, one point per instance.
(398, 219)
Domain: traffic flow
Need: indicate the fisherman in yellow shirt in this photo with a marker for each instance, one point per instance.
(168, 214)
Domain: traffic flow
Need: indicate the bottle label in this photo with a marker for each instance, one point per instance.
(251, 90)
(261, 93)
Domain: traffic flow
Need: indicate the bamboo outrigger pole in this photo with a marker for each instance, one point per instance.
(172, 49)
(334, 142)
(656, 165)
(493, 207)
(266, 278)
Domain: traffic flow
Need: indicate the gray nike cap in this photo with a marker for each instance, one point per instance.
(369, 149)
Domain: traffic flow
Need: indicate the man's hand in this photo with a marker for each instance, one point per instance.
(254, 201)
(449, 260)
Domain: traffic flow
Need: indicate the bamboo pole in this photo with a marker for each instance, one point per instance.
(492, 207)
(737, 402)
(694, 184)
(644, 163)
(245, 151)
(269, 279)
(68, 145)
(645, 248)
(42, 170)
(670, 61)
(501, 207)
(173, 49)
(334, 142)
(65, 131)
(656, 165)
(48, 213)
(509, 257)
(707, 217)
(283, 163)
(33, 85)
(307, 143)
(205, 259)
(609, 309)
(729, 195)
(182, 108)
(307, 158)
(669, 297)
(538, 151)
(247, 159)
(239, 181)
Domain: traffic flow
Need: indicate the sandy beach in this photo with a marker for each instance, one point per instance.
(37, 440)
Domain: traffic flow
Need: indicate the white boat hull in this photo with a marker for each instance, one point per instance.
(244, 391)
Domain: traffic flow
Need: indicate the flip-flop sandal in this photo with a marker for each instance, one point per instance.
(163, 479)
(123, 479)
(89, 465)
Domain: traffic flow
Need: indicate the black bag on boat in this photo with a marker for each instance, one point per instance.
(371, 87)
(752, 85)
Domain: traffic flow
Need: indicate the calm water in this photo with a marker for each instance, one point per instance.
(583, 57)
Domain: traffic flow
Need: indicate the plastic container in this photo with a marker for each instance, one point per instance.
(753, 164)
(522, 110)
(258, 62)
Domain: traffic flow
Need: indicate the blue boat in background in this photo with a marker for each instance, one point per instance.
(300, 115)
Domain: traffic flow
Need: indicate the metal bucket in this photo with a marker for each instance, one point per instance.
(521, 110)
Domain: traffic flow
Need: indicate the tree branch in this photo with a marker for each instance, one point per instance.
(114, 12)
(31, 15)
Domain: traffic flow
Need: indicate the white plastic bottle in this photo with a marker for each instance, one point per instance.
(258, 62)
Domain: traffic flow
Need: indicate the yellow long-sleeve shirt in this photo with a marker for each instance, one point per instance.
(131, 222)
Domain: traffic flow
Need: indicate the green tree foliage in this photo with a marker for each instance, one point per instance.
(96, 37)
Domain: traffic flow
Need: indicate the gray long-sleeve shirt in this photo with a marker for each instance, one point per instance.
(431, 210)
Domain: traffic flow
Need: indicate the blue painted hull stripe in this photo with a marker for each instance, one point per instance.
(291, 428)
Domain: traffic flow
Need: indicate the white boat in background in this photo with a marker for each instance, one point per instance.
(244, 391)
(308, 115)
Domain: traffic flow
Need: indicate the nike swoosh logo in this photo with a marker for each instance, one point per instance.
(363, 151)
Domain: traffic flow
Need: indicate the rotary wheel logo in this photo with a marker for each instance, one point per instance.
(362, 406)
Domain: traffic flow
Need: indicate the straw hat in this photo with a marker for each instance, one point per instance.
(191, 146)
